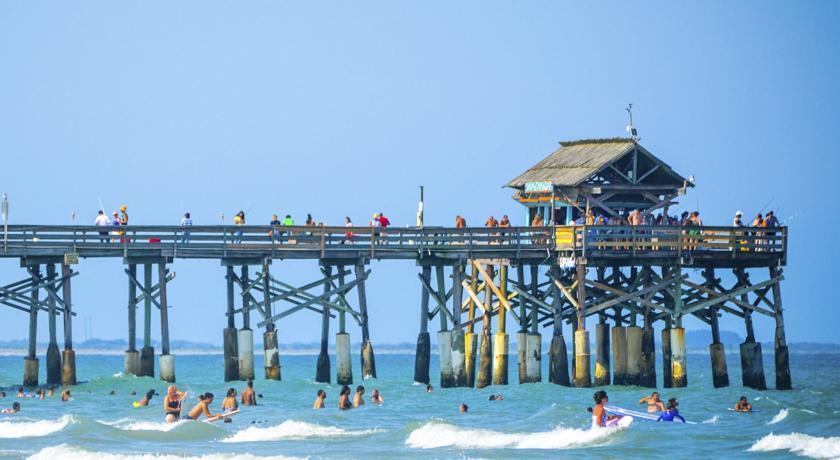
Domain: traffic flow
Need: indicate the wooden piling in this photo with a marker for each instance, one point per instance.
(147, 353)
(752, 362)
(322, 368)
(619, 351)
(667, 363)
(68, 356)
(229, 334)
(343, 364)
(485, 347)
(459, 371)
(131, 364)
(602, 352)
(422, 354)
(245, 336)
(470, 338)
(368, 359)
(166, 360)
(521, 335)
(534, 339)
(271, 354)
(53, 355)
(634, 355)
(582, 372)
(782, 357)
(501, 341)
(30, 363)
(679, 374)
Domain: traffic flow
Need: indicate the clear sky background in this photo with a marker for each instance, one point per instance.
(344, 108)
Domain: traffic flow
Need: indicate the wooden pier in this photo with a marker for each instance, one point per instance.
(553, 274)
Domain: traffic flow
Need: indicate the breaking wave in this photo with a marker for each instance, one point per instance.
(437, 434)
(77, 453)
(779, 417)
(293, 429)
(9, 429)
(800, 444)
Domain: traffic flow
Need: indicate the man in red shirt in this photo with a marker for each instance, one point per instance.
(383, 221)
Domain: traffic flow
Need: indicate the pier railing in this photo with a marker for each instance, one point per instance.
(392, 242)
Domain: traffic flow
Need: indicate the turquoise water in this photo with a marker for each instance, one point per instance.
(535, 420)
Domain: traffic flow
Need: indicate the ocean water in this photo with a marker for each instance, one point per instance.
(533, 421)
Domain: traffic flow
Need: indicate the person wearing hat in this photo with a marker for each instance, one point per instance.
(737, 221)
(123, 215)
(770, 221)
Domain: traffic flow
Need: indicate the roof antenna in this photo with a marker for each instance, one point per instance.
(630, 129)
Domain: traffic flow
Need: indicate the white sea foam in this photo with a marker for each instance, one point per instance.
(65, 451)
(293, 429)
(712, 420)
(800, 444)
(779, 417)
(15, 429)
(436, 434)
(134, 425)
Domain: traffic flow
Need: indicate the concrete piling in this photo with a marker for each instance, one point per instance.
(458, 358)
(30, 363)
(167, 361)
(485, 361)
(53, 355)
(470, 353)
(667, 376)
(68, 356)
(720, 376)
(679, 374)
(344, 368)
(322, 367)
(447, 378)
(167, 368)
(752, 366)
(230, 338)
(368, 359)
(132, 356)
(500, 358)
(582, 374)
(782, 356)
(634, 355)
(272, 354)
(558, 366)
(619, 355)
(245, 348)
(534, 358)
(147, 353)
(422, 355)
(522, 355)
(648, 378)
(602, 354)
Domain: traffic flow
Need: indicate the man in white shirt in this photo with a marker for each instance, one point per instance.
(186, 222)
(102, 221)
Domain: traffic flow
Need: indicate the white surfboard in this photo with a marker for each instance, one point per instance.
(220, 417)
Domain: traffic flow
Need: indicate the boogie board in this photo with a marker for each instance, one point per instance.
(636, 414)
(622, 422)
(732, 409)
(220, 417)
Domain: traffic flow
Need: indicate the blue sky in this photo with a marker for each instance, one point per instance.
(344, 108)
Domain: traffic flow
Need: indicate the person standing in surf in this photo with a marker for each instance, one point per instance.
(229, 404)
(172, 403)
(319, 400)
(358, 401)
(248, 397)
(599, 413)
(344, 399)
(654, 403)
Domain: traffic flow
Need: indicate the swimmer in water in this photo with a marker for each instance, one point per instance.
(671, 412)
(653, 402)
(172, 403)
(144, 401)
(229, 404)
(51, 392)
(203, 407)
(14, 410)
(463, 408)
(65, 395)
(248, 397)
(344, 399)
(743, 405)
(358, 401)
(319, 400)
(376, 397)
(599, 414)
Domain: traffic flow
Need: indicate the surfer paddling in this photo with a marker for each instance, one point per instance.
(654, 403)
(743, 405)
(599, 413)
(144, 401)
(203, 407)
(172, 403)
(671, 412)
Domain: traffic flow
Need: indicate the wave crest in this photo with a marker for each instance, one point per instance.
(77, 453)
(435, 434)
(798, 443)
(293, 429)
(779, 417)
(10, 429)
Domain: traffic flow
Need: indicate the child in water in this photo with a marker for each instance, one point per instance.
(743, 405)
(599, 414)
(671, 412)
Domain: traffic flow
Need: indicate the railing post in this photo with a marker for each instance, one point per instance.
(224, 240)
(372, 240)
(518, 243)
(323, 242)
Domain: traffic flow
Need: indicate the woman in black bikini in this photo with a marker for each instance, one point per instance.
(172, 403)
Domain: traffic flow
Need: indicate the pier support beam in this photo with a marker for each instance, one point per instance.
(167, 361)
(783, 381)
(147, 353)
(68, 356)
(667, 363)
(447, 380)
(582, 372)
(619, 352)
(459, 371)
(422, 354)
(720, 375)
(368, 359)
(470, 338)
(229, 334)
(634, 355)
(53, 355)
(30, 362)
(245, 337)
(501, 340)
(132, 356)
(648, 378)
(602, 353)
(558, 358)
(521, 335)
(271, 356)
(752, 362)
(322, 368)
(485, 347)
(344, 368)
(679, 374)
(533, 350)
